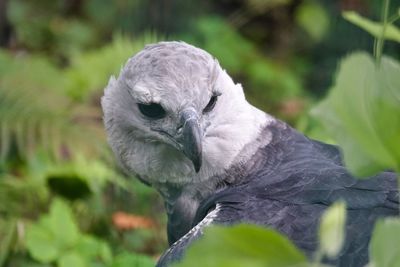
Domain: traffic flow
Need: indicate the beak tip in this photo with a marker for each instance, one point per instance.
(191, 138)
(197, 168)
(197, 162)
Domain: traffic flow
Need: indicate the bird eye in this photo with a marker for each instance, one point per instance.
(211, 104)
(152, 110)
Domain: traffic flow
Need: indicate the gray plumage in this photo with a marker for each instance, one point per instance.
(216, 159)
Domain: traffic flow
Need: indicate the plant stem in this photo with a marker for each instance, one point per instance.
(381, 40)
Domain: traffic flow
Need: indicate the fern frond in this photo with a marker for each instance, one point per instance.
(35, 114)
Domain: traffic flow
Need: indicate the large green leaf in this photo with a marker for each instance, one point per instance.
(56, 238)
(54, 233)
(62, 224)
(374, 28)
(385, 243)
(241, 246)
(40, 244)
(362, 112)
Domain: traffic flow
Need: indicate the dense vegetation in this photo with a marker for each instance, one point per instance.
(63, 202)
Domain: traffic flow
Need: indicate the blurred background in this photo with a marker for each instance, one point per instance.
(63, 202)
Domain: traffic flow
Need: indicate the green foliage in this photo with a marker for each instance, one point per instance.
(35, 115)
(313, 18)
(385, 243)
(132, 260)
(52, 144)
(242, 245)
(362, 112)
(56, 238)
(267, 82)
(38, 25)
(51, 78)
(391, 32)
(8, 229)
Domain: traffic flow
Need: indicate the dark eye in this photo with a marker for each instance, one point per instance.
(152, 110)
(211, 104)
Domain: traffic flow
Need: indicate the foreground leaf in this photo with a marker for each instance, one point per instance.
(132, 260)
(385, 243)
(332, 229)
(48, 239)
(362, 112)
(40, 244)
(240, 246)
(71, 259)
(62, 223)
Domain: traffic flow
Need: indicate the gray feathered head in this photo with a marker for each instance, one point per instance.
(173, 115)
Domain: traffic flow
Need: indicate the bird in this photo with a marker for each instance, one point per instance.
(177, 121)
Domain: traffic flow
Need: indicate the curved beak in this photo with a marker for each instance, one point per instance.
(190, 137)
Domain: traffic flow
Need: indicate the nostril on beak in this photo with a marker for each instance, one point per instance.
(179, 129)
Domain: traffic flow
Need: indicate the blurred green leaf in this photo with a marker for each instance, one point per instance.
(385, 243)
(132, 260)
(374, 28)
(313, 18)
(41, 244)
(332, 229)
(55, 232)
(56, 238)
(71, 259)
(240, 246)
(62, 224)
(362, 112)
(221, 40)
(90, 247)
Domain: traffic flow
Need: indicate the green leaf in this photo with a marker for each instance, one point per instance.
(362, 112)
(91, 248)
(385, 243)
(71, 259)
(47, 240)
(62, 224)
(132, 260)
(332, 229)
(242, 245)
(40, 244)
(313, 18)
(374, 28)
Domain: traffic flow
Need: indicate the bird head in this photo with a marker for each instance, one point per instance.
(174, 115)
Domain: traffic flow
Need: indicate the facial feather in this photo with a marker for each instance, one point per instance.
(177, 76)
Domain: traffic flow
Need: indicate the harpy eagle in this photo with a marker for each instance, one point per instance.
(176, 119)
